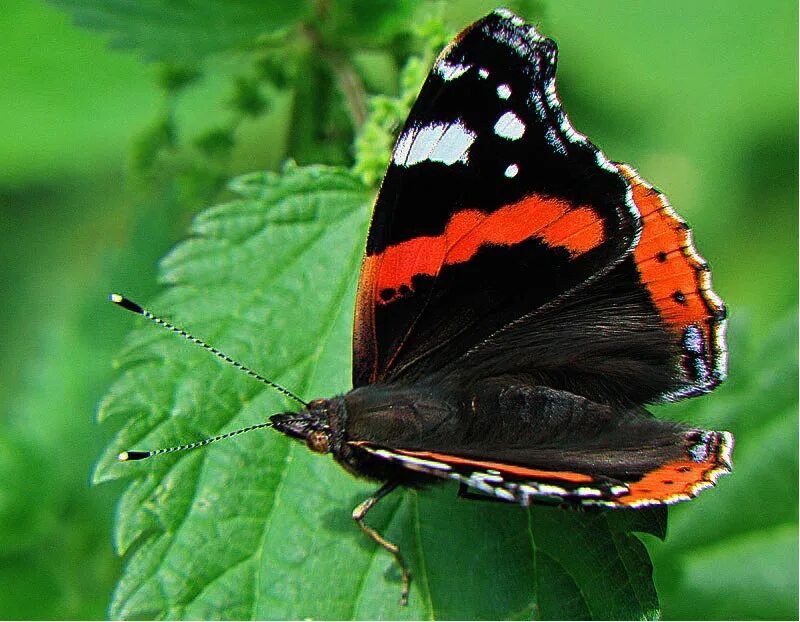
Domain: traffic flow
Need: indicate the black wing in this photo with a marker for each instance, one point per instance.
(493, 207)
(499, 227)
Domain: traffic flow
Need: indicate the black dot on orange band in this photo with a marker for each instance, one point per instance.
(683, 469)
(679, 297)
(387, 294)
(667, 482)
(661, 256)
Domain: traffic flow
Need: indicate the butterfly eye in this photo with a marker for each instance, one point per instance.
(318, 441)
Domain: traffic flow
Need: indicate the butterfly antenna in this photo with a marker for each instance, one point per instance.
(128, 304)
(125, 456)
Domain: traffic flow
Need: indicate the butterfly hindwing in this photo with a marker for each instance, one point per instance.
(492, 207)
(678, 282)
(678, 470)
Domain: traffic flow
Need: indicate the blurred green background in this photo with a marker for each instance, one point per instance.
(105, 155)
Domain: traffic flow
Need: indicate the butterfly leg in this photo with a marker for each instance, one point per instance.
(361, 512)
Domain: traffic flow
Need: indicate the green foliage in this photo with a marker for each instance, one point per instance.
(174, 77)
(374, 142)
(273, 518)
(247, 99)
(357, 23)
(186, 31)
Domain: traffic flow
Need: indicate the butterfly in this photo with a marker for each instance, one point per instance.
(521, 299)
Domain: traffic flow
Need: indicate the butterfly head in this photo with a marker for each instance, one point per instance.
(312, 424)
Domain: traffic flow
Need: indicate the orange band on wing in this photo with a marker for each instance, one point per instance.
(554, 221)
(671, 482)
(679, 480)
(676, 276)
(508, 469)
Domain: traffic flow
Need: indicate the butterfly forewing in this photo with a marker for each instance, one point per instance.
(492, 207)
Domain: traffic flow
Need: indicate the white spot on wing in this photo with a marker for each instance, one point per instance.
(454, 145)
(483, 73)
(425, 142)
(555, 141)
(693, 339)
(411, 461)
(699, 451)
(548, 489)
(451, 71)
(402, 147)
(447, 143)
(489, 478)
(512, 170)
(509, 126)
(587, 491)
(504, 91)
(501, 493)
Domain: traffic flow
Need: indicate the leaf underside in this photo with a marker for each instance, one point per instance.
(259, 527)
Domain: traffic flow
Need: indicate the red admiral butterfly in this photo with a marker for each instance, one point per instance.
(521, 299)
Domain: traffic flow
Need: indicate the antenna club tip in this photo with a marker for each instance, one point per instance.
(125, 303)
(123, 457)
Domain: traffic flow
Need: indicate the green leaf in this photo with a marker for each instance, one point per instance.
(766, 585)
(367, 22)
(189, 30)
(260, 527)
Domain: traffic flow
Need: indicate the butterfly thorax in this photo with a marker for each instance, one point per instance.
(392, 416)
(505, 411)
(385, 415)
